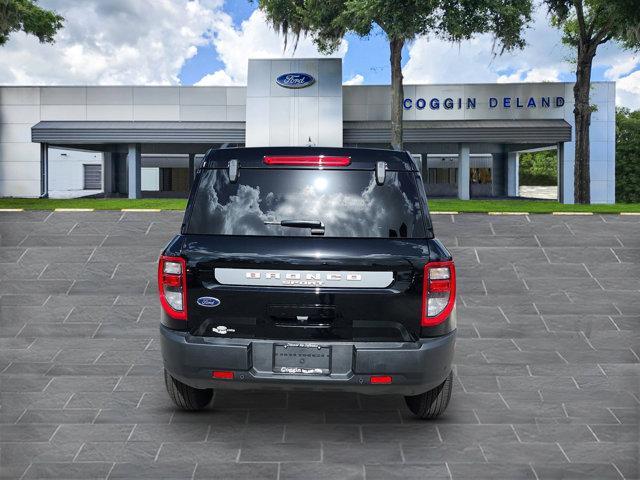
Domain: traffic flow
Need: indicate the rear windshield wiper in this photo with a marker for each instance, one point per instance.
(316, 226)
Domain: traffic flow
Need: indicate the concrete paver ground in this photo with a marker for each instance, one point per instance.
(546, 363)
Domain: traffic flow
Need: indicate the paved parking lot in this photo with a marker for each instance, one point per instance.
(547, 363)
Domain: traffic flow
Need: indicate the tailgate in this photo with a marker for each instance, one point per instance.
(301, 288)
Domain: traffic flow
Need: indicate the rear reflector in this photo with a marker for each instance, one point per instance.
(222, 375)
(438, 292)
(172, 286)
(307, 160)
(381, 379)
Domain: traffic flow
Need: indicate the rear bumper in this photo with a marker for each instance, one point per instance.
(415, 366)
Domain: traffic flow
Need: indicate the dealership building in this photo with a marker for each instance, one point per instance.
(147, 141)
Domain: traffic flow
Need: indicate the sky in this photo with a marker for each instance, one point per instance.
(208, 42)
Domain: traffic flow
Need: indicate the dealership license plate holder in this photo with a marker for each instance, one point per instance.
(307, 359)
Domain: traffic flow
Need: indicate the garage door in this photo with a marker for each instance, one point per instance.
(92, 177)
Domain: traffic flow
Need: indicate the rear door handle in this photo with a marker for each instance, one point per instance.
(294, 311)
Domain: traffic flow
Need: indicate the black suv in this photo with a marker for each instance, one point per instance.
(308, 268)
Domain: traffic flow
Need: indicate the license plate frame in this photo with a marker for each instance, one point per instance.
(308, 359)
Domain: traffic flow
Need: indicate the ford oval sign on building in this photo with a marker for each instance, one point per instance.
(295, 80)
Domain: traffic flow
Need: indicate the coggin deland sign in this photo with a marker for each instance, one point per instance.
(469, 103)
(302, 80)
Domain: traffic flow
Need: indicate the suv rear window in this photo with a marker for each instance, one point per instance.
(348, 202)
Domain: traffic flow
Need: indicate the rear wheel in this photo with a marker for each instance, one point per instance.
(186, 397)
(432, 403)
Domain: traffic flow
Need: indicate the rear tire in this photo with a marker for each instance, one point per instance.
(433, 403)
(186, 397)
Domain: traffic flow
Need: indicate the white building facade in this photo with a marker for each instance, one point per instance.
(148, 140)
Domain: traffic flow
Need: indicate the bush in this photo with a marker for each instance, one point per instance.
(627, 156)
(539, 168)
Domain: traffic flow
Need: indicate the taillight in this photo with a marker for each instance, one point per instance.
(438, 292)
(307, 160)
(172, 286)
(381, 379)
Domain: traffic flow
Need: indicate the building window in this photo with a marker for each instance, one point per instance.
(92, 177)
(442, 175)
(480, 175)
(174, 179)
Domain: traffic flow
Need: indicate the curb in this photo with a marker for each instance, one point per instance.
(507, 213)
(571, 213)
(74, 209)
(630, 213)
(11, 209)
(443, 213)
(140, 210)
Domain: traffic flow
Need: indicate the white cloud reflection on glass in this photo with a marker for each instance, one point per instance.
(349, 203)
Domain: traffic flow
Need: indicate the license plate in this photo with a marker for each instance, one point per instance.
(302, 359)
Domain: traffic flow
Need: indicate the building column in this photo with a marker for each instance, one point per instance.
(499, 174)
(561, 176)
(513, 172)
(44, 170)
(134, 170)
(463, 171)
(192, 161)
(107, 174)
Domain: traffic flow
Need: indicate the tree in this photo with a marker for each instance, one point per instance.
(327, 22)
(627, 156)
(28, 17)
(539, 168)
(587, 24)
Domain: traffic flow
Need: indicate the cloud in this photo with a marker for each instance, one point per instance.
(217, 78)
(357, 79)
(622, 65)
(628, 91)
(545, 58)
(255, 38)
(436, 61)
(114, 42)
(531, 75)
(143, 42)
(624, 69)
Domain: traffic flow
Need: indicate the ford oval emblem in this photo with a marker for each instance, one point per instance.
(295, 80)
(208, 302)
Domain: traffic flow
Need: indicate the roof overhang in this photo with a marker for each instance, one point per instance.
(427, 131)
(452, 131)
(58, 132)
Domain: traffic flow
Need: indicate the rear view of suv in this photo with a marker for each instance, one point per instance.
(308, 268)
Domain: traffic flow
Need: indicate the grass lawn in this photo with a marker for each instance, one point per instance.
(435, 205)
(95, 203)
(530, 206)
